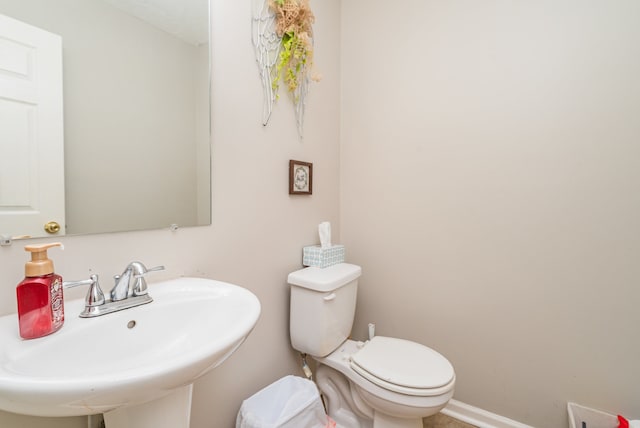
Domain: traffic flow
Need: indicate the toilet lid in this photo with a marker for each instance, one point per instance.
(401, 365)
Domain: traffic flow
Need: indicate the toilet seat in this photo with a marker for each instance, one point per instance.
(403, 366)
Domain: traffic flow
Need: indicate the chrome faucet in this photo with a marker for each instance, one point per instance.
(94, 297)
(129, 291)
(126, 288)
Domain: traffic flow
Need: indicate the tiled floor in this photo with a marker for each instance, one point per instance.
(443, 421)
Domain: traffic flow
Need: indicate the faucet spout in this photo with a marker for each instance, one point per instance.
(131, 282)
(121, 290)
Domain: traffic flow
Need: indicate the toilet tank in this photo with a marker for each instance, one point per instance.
(322, 307)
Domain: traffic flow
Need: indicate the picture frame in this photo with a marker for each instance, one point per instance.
(300, 178)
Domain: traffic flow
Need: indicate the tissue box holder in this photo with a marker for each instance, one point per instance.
(316, 256)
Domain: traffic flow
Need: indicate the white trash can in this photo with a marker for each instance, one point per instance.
(584, 417)
(291, 402)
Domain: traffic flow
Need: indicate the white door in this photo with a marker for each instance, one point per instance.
(31, 130)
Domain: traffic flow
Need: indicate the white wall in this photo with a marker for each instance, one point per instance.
(258, 230)
(491, 191)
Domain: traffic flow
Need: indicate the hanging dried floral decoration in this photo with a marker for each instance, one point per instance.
(293, 20)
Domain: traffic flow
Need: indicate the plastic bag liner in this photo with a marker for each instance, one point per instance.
(291, 402)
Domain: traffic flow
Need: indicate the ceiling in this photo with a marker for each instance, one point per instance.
(185, 19)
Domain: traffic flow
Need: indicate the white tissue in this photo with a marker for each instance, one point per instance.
(324, 230)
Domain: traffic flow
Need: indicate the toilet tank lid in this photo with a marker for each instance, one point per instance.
(325, 279)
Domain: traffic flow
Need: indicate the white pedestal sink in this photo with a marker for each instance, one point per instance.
(136, 366)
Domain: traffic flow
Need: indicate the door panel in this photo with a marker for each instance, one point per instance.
(31, 129)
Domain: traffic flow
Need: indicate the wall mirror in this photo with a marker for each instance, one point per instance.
(128, 92)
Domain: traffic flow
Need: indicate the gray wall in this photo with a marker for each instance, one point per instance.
(491, 192)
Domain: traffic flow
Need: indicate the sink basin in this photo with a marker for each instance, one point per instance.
(127, 358)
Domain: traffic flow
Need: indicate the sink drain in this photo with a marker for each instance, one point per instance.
(131, 324)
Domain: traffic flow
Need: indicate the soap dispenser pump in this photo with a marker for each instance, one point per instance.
(40, 298)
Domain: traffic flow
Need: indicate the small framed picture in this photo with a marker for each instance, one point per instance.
(300, 177)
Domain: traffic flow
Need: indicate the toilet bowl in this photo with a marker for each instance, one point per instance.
(388, 379)
(384, 382)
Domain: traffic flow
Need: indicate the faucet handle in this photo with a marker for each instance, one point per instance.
(95, 296)
(140, 287)
(145, 271)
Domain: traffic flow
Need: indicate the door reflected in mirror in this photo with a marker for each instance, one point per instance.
(135, 115)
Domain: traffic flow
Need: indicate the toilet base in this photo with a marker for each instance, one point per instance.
(381, 420)
(346, 405)
(341, 401)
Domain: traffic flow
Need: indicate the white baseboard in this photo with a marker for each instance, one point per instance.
(478, 417)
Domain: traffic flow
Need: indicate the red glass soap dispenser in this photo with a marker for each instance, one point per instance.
(40, 298)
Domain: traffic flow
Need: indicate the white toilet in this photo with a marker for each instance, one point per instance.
(382, 383)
